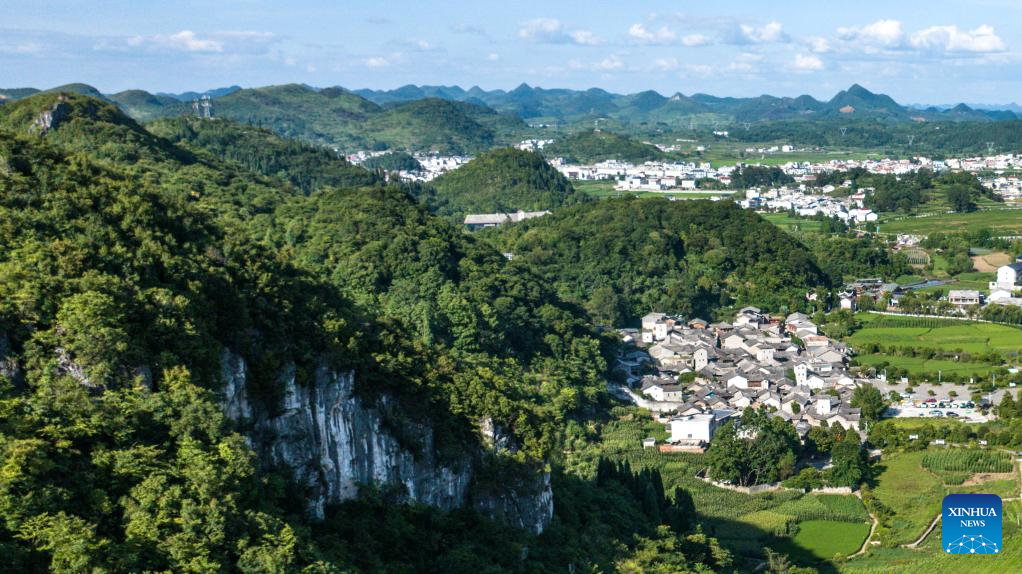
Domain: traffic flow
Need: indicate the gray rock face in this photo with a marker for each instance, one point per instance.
(53, 117)
(333, 443)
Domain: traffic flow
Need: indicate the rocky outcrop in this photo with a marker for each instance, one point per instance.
(333, 442)
(51, 118)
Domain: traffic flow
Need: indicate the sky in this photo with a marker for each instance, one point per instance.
(932, 52)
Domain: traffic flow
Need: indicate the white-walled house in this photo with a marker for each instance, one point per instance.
(693, 428)
(1008, 277)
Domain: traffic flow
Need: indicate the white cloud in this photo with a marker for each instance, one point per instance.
(585, 37)
(22, 49)
(185, 40)
(700, 69)
(694, 40)
(771, 32)
(376, 62)
(611, 62)
(818, 44)
(541, 29)
(493, 56)
(224, 42)
(887, 35)
(666, 64)
(882, 33)
(807, 63)
(662, 36)
(951, 39)
(551, 31)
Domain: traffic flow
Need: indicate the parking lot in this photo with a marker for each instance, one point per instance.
(935, 408)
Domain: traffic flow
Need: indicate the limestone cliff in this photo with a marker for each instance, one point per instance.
(333, 443)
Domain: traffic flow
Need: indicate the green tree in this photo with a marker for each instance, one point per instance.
(870, 401)
(848, 460)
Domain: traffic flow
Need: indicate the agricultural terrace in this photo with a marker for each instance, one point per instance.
(803, 526)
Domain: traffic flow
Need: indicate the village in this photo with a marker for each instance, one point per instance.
(697, 375)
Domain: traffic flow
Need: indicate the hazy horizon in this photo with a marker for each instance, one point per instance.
(930, 52)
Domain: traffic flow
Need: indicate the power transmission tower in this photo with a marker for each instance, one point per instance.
(990, 147)
(843, 130)
(910, 140)
(207, 107)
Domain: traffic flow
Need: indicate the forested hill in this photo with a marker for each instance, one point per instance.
(129, 265)
(623, 258)
(305, 166)
(503, 180)
(600, 145)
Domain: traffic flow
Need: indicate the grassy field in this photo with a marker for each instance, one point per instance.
(928, 558)
(921, 365)
(999, 219)
(915, 493)
(605, 189)
(823, 539)
(968, 336)
(788, 223)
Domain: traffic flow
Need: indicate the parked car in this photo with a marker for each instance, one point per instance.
(952, 414)
(936, 413)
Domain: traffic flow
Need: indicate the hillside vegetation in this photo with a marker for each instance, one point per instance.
(129, 262)
(690, 257)
(596, 145)
(502, 180)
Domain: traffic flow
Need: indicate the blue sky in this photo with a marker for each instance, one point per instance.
(927, 52)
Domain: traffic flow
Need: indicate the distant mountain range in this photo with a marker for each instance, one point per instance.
(454, 120)
(530, 103)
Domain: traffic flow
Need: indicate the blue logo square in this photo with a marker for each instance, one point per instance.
(971, 524)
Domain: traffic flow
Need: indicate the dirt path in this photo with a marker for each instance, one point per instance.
(865, 543)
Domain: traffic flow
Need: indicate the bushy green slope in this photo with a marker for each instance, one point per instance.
(596, 145)
(624, 258)
(305, 166)
(337, 117)
(503, 180)
(127, 263)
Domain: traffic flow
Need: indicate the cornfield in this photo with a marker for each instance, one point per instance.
(967, 461)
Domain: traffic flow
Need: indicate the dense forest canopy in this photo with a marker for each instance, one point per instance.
(591, 146)
(622, 258)
(129, 262)
(502, 181)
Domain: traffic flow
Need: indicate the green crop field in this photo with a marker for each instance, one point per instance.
(788, 223)
(1001, 220)
(917, 366)
(823, 539)
(604, 189)
(950, 335)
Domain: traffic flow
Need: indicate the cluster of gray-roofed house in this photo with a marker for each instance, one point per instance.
(783, 365)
